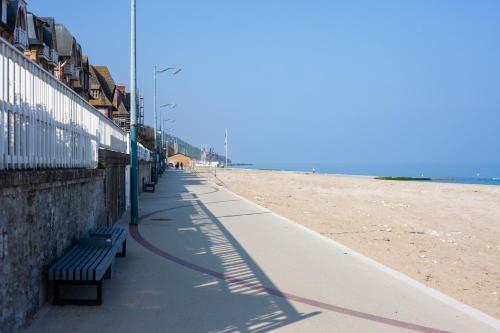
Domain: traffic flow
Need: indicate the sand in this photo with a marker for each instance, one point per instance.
(446, 236)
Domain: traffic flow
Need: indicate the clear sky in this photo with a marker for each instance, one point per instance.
(319, 81)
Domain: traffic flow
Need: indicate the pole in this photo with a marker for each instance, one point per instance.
(134, 187)
(225, 146)
(155, 155)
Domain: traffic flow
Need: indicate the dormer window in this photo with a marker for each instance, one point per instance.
(95, 93)
(4, 11)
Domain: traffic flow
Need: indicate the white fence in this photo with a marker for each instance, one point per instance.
(143, 154)
(45, 124)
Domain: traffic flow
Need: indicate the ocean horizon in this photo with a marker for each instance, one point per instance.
(463, 173)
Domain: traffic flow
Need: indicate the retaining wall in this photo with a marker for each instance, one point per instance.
(42, 214)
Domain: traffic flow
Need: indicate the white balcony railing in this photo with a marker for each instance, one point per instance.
(45, 124)
(21, 38)
(45, 54)
(54, 57)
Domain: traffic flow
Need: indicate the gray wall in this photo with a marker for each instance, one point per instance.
(42, 214)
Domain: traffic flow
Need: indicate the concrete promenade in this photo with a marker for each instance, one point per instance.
(205, 260)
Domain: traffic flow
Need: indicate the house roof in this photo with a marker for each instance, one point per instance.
(180, 155)
(33, 22)
(50, 22)
(65, 41)
(12, 9)
(100, 78)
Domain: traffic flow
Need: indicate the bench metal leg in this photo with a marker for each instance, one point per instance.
(124, 249)
(58, 300)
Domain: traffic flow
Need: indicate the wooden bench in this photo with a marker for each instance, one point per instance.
(88, 263)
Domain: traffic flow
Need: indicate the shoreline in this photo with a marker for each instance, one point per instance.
(444, 235)
(440, 180)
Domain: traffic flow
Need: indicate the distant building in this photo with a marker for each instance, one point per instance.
(121, 110)
(102, 89)
(42, 42)
(73, 68)
(112, 99)
(13, 23)
(180, 158)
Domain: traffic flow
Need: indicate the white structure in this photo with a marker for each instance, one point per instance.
(143, 154)
(45, 124)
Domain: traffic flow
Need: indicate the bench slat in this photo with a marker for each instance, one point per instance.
(96, 259)
(106, 257)
(78, 263)
(102, 267)
(61, 262)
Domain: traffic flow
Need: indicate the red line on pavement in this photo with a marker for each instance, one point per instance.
(134, 231)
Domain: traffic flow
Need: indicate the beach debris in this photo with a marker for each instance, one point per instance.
(387, 239)
(388, 229)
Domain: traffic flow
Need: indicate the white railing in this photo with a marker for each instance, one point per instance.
(143, 154)
(54, 57)
(21, 38)
(45, 124)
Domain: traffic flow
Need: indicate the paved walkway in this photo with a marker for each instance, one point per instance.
(205, 260)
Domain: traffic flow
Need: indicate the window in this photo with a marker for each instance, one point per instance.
(4, 11)
(95, 93)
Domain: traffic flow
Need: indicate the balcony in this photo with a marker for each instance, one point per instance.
(54, 57)
(20, 38)
(76, 74)
(45, 53)
(69, 69)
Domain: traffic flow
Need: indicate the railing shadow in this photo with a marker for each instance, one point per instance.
(224, 273)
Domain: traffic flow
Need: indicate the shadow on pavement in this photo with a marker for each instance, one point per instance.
(227, 285)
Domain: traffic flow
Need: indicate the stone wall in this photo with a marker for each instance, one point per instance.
(42, 214)
(114, 185)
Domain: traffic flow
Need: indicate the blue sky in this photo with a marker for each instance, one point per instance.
(319, 81)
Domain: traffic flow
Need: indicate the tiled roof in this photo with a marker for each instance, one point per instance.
(65, 41)
(100, 78)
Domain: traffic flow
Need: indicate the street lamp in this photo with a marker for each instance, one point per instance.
(134, 187)
(174, 71)
(162, 138)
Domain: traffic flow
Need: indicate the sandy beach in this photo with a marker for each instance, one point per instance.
(446, 236)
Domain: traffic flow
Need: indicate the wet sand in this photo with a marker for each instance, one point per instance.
(446, 236)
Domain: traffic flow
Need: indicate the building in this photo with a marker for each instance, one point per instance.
(13, 26)
(121, 110)
(102, 88)
(108, 97)
(70, 58)
(42, 42)
(180, 158)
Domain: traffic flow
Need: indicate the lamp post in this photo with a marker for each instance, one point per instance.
(165, 138)
(155, 155)
(172, 106)
(134, 187)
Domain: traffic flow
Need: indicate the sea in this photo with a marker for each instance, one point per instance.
(463, 173)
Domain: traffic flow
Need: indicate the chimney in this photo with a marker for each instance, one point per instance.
(121, 88)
